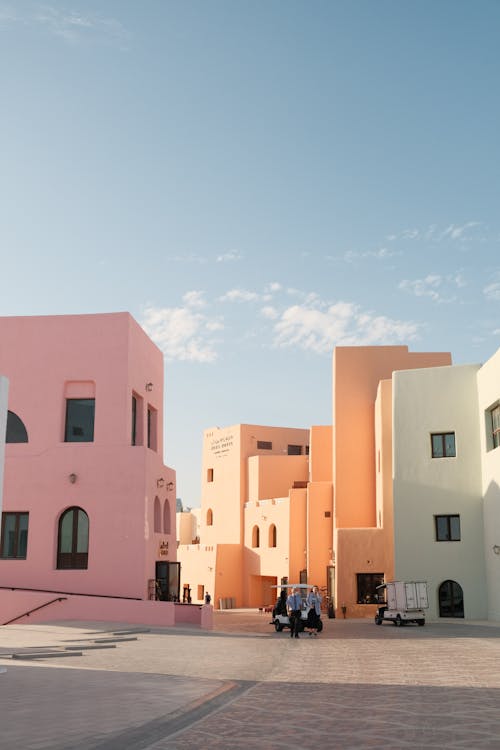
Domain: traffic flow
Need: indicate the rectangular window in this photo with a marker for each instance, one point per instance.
(264, 445)
(294, 450)
(367, 587)
(14, 541)
(134, 421)
(447, 528)
(201, 592)
(152, 428)
(210, 475)
(307, 450)
(79, 420)
(443, 445)
(495, 425)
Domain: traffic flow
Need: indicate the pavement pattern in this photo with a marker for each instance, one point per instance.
(243, 685)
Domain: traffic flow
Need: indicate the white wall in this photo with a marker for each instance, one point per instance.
(438, 400)
(4, 390)
(488, 379)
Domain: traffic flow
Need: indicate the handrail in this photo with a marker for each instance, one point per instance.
(41, 606)
(71, 593)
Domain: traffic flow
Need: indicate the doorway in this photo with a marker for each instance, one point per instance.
(168, 581)
(451, 599)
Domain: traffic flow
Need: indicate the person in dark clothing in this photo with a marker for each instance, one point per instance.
(294, 607)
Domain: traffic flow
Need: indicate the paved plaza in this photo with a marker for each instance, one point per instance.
(243, 685)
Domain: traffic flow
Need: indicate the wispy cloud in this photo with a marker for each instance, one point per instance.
(340, 324)
(240, 295)
(434, 286)
(230, 257)
(492, 291)
(453, 232)
(72, 26)
(382, 253)
(183, 333)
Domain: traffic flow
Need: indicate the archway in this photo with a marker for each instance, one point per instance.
(451, 599)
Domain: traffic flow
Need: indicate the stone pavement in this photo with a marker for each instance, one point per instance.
(244, 686)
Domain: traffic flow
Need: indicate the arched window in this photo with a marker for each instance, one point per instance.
(73, 539)
(210, 517)
(255, 536)
(272, 535)
(451, 599)
(166, 517)
(16, 431)
(157, 514)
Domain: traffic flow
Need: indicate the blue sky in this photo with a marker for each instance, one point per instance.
(255, 182)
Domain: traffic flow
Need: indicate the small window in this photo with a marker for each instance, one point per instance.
(210, 517)
(495, 425)
(157, 515)
(307, 450)
(79, 420)
(152, 428)
(210, 475)
(294, 450)
(328, 514)
(16, 431)
(200, 592)
(264, 445)
(255, 537)
(367, 587)
(447, 528)
(443, 445)
(272, 535)
(14, 541)
(166, 517)
(136, 420)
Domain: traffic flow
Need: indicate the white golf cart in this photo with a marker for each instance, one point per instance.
(280, 616)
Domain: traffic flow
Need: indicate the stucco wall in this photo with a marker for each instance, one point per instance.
(488, 379)
(440, 400)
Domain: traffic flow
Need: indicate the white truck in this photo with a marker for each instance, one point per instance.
(405, 601)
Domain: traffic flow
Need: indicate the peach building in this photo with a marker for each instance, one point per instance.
(305, 505)
(88, 521)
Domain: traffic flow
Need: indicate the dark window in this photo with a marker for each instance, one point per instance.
(495, 425)
(210, 517)
(16, 431)
(264, 445)
(272, 535)
(255, 536)
(447, 528)
(79, 420)
(73, 540)
(367, 587)
(307, 450)
(134, 420)
(210, 475)
(328, 514)
(294, 450)
(443, 445)
(14, 543)
(152, 428)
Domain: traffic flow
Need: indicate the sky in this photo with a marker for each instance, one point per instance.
(256, 183)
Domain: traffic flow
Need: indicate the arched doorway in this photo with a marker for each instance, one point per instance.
(451, 599)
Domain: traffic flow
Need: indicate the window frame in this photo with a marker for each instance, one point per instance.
(73, 560)
(444, 448)
(264, 445)
(17, 532)
(494, 414)
(448, 516)
(67, 425)
(370, 582)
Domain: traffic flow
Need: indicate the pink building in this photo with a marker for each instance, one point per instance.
(89, 506)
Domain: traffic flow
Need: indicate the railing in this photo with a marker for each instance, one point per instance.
(71, 593)
(41, 606)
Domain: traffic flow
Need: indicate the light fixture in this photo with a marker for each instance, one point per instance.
(496, 549)
(149, 386)
(170, 486)
(72, 478)
(160, 482)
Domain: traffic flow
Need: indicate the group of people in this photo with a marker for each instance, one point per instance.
(294, 609)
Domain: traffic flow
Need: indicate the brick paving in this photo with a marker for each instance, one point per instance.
(244, 686)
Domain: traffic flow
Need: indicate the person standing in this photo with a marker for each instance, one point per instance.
(294, 607)
(314, 601)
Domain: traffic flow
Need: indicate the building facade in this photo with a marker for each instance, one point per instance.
(89, 506)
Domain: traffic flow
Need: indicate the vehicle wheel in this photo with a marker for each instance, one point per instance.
(421, 623)
(320, 626)
(398, 621)
(278, 626)
(378, 621)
